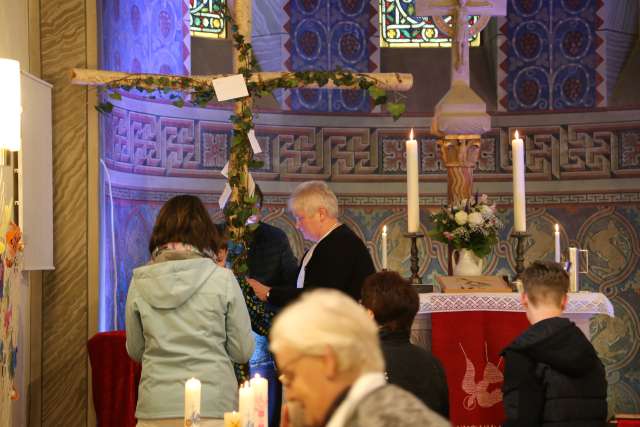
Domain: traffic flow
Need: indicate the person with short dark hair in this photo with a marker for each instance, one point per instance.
(394, 303)
(186, 317)
(553, 376)
(271, 262)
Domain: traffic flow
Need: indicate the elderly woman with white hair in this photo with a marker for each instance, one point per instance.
(338, 258)
(329, 357)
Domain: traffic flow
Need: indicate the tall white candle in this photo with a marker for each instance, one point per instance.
(246, 404)
(574, 270)
(192, 390)
(260, 388)
(384, 247)
(556, 235)
(413, 209)
(519, 200)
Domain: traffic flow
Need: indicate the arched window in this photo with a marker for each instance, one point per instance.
(399, 27)
(207, 19)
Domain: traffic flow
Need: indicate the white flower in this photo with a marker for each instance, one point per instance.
(461, 217)
(475, 218)
(486, 209)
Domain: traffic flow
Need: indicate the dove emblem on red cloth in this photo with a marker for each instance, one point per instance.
(478, 393)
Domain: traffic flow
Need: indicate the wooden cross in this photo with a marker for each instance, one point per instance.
(242, 14)
(460, 31)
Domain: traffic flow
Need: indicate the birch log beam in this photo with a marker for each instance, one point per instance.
(400, 82)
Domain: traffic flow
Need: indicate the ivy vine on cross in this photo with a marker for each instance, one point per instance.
(199, 91)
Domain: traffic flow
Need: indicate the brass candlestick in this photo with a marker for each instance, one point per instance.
(521, 237)
(415, 260)
(415, 264)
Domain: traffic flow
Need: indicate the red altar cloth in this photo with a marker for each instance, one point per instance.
(469, 343)
(115, 379)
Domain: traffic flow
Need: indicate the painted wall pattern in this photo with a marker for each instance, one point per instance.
(551, 56)
(327, 35)
(145, 36)
(149, 144)
(610, 230)
(153, 148)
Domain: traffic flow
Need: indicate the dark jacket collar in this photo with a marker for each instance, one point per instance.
(399, 337)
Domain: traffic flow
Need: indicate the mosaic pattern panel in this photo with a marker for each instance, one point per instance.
(328, 35)
(551, 57)
(149, 144)
(609, 229)
(146, 36)
(400, 27)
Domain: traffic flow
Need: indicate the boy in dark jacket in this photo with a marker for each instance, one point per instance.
(394, 303)
(552, 376)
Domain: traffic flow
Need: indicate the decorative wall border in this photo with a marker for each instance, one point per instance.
(151, 144)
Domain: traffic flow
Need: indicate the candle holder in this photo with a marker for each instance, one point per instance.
(521, 237)
(415, 260)
(415, 264)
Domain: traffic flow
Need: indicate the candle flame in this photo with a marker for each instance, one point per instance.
(411, 134)
(384, 230)
(557, 228)
(517, 136)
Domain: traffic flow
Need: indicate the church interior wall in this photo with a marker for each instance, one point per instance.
(583, 171)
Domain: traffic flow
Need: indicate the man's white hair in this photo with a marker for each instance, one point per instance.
(309, 196)
(329, 318)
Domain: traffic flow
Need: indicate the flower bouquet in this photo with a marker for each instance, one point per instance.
(469, 224)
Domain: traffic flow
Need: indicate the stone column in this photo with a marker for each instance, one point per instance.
(460, 154)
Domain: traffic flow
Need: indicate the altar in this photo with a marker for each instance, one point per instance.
(467, 332)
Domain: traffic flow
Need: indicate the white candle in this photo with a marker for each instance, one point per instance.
(556, 235)
(192, 390)
(413, 209)
(232, 419)
(260, 388)
(246, 404)
(384, 247)
(519, 201)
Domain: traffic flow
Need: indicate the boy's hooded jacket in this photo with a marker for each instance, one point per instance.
(553, 377)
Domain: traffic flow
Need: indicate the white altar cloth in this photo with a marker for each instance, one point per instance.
(579, 303)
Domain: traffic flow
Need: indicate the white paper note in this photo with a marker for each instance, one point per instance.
(255, 145)
(225, 170)
(251, 186)
(230, 87)
(224, 197)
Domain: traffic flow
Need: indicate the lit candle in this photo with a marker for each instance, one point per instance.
(519, 201)
(192, 402)
(384, 247)
(232, 419)
(556, 235)
(260, 388)
(413, 210)
(246, 404)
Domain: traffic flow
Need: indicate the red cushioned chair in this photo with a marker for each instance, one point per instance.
(115, 379)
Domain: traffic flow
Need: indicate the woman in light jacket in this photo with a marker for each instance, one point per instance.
(186, 317)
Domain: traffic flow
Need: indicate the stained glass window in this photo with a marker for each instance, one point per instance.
(399, 27)
(207, 18)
